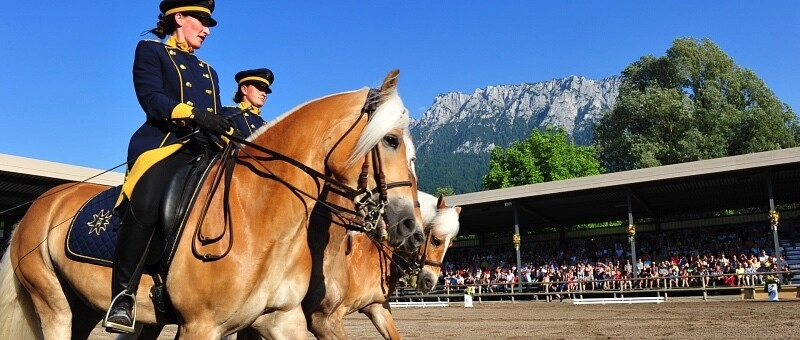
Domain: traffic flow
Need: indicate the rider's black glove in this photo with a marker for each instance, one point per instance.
(210, 122)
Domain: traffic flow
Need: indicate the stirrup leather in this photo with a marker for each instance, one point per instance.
(119, 327)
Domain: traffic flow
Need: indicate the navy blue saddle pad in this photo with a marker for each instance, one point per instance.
(92, 236)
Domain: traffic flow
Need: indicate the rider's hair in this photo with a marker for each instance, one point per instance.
(238, 96)
(165, 26)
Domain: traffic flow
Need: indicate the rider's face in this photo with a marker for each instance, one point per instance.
(253, 95)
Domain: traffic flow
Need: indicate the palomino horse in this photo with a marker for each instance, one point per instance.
(360, 275)
(343, 259)
(352, 272)
(258, 272)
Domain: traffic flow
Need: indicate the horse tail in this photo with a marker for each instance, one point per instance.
(19, 319)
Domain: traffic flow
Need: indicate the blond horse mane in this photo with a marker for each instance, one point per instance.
(277, 120)
(391, 114)
(440, 221)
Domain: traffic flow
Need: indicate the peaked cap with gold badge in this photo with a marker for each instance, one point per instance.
(198, 8)
(261, 78)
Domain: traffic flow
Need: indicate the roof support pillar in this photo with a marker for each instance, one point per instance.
(774, 227)
(631, 237)
(519, 258)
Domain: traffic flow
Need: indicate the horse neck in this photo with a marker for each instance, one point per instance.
(309, 132)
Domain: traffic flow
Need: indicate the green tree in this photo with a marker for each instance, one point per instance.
(693, 103)
(542, 157)
(446, 191)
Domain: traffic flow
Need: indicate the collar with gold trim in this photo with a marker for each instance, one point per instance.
(181, 45)
(250, 108)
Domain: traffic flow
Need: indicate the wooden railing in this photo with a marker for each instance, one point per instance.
(550, 291)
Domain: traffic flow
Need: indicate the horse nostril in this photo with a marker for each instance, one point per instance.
(427, 285)
(419, 238)
(408, 226)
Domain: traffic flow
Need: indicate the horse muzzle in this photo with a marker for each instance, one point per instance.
(425, 282)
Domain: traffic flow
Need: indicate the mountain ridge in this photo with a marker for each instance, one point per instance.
(455, 135)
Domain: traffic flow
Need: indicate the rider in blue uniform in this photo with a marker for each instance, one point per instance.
(254, 86)
(179, 95)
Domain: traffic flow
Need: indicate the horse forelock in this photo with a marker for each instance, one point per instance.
(391, 114)
(446, 222)
(438, 221)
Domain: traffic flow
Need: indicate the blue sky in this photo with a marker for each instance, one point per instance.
(65, 66)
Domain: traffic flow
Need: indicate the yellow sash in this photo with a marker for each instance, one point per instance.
(144, 162)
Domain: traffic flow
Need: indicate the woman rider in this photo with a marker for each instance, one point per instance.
(254, 86)
(179, 95)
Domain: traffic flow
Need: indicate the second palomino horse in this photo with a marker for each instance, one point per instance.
(360, 275)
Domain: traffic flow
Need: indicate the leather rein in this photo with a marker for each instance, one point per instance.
(368, 211)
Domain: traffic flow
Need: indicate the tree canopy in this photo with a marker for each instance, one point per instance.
(693, 103)
(542, 157)
(445, 191)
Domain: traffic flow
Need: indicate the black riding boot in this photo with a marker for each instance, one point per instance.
(133, 242)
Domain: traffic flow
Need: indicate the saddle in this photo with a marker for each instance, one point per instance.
(92, 237)
(180, 193)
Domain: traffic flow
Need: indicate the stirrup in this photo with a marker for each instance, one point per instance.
(116, 327)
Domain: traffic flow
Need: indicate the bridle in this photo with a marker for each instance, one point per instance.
(369, 211)
(367, 206)
(421, 260)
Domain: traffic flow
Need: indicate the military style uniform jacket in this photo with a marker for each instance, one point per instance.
(169, 81)
(246, 118)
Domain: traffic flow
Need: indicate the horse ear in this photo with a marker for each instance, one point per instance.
(390, 82)
(440, 204)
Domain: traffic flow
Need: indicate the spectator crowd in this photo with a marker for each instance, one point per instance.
(671, 259)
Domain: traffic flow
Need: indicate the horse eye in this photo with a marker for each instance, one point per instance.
(436, 242)
(391, 141)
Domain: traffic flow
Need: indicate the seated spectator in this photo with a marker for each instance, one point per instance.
(645, 280)
(729, 276)
(684, 277)
(546, 287)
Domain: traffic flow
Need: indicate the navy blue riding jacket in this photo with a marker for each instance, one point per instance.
(169, 81)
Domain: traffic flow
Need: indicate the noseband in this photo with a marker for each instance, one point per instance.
(415, 265)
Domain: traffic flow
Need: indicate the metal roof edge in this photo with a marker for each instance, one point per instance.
(672, 171)
(36, 167)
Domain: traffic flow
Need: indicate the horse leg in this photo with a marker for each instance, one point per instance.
(381, 317)
(150, 332)
(280, 325)
(49, 300)
(327, 326)
(197, 330)
(248, 334)
(84, 318)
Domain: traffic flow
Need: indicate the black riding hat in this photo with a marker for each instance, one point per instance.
(197, 8)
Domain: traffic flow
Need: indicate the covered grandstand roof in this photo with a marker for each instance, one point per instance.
(703, 186)
(23, 179)
(709, 185)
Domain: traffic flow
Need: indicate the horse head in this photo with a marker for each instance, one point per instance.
(441, 227)
(377, 163)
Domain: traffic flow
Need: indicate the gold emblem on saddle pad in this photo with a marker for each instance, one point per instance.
(101, 221)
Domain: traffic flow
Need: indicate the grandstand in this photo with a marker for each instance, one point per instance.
(656, 200)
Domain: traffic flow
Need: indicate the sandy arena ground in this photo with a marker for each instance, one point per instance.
(675, 319)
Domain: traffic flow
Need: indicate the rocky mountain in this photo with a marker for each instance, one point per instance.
(456, 134)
